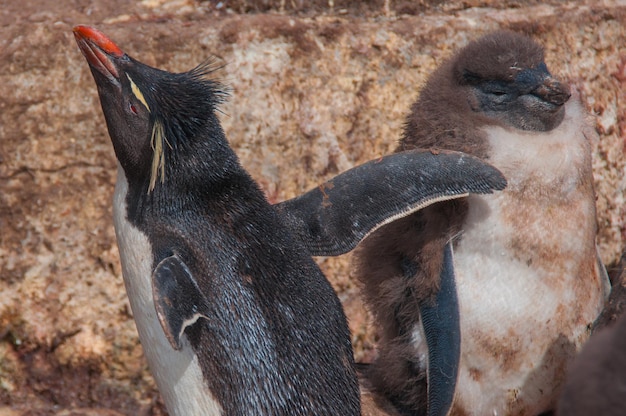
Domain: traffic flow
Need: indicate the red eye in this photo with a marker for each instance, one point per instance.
(132, 108)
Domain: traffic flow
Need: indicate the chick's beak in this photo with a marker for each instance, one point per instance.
(553, 91)
(98, 50)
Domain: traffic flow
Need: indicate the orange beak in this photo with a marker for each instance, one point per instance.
(98, 50)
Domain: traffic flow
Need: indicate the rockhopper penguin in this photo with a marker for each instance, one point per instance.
(529, 280)
(234, 316)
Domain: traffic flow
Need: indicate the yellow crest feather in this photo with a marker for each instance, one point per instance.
(158, 157)
(156, 141)
(137, 92)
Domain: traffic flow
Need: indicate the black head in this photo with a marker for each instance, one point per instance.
(509, 81)
(152, 115)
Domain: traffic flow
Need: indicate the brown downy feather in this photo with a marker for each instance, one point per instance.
(394, 299)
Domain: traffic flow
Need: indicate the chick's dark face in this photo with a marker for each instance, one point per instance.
(508, 81)
(531, 100)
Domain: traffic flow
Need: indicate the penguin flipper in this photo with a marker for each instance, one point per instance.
(441, 324)
(178, 300)
(334, 217)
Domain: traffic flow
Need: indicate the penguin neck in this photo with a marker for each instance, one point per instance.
(200, 168)
(558, 162)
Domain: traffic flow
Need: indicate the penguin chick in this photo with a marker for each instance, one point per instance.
(233, 315)
(528, 277)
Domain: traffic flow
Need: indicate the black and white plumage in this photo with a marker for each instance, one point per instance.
(528, 277)
(233, 318)
(233, 314)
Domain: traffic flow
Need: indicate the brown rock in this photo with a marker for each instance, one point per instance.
(315, 90)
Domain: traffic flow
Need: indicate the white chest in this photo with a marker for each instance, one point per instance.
(528, 281)
(177, 373)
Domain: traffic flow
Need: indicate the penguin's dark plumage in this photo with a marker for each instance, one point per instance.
(528, 278)
(334, 217)
(233, 314)
(196, 232)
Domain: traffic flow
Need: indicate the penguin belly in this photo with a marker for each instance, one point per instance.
(520, 327)
(177, 373)
(529, 281)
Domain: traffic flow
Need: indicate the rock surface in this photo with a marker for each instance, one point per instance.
(316, 87)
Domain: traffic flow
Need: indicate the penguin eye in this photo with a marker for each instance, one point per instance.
(132, 108)
(496, 89)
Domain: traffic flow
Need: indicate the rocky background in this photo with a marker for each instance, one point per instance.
(316, 87)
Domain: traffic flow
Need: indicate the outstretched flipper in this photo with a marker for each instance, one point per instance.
(441, 324)
(334, 217)
(178, 300)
